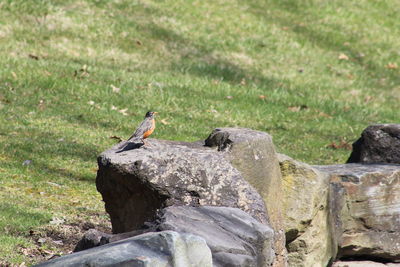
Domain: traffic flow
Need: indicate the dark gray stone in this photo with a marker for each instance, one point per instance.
(234, 237)
(378, 143)
(160, 249)
(92, 238)
(364, 263)
(136, 183)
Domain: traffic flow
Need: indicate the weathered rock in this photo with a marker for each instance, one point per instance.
(136, 183)
(234, 237)
(253, 154)
(364, 264)
(92, 238)
(305, 206)
(166, 249)
(378, 143)
(365, 210)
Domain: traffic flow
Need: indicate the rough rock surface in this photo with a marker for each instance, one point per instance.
(365, 210)
(253, 154)
(378, 143)
(364, 264)
(234, 237)
(92, 238)
(305, 206)
(136, 183)
(166, 249)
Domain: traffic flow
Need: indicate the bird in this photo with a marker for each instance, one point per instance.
(145, 129)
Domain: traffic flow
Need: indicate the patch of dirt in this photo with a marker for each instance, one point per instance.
(60, 237)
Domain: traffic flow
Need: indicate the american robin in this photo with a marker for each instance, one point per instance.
(145, 129)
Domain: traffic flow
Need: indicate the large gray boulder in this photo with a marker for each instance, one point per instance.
(378, 143)
(160, 249)
(253, 154)
(234, 167)
(306, 212)
(136, 183)
(364, 201)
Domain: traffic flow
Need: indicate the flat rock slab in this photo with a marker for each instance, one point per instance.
(365, 209)
(234, 237)
(166, 249)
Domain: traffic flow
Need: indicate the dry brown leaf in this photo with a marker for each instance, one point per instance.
(116, 138)
(343, 56)
(32, 56)
(297, 108)
(123, 111)
(342, 145)
(294, 108)
(261, 96)
(164, 121)
(323, 114)
(14, 75)
(367, 98)
(391, 66)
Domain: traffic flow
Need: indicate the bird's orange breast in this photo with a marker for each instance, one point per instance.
(151, 130)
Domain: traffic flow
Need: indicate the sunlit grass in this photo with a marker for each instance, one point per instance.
(309, 73)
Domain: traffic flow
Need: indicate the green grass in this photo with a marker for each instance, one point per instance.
(322, 67)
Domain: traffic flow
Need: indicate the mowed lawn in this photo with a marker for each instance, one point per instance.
(73, 73)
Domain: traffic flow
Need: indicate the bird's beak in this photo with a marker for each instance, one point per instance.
(155, 112)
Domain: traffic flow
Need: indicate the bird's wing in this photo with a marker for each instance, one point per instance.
(143, 127)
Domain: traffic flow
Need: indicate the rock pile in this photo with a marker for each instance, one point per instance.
(231, 200)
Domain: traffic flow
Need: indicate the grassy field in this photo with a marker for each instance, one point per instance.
(311, 73)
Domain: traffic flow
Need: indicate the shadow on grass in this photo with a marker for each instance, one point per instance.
(202, 61)
(19, 219)
(43, 147)
(334, 39)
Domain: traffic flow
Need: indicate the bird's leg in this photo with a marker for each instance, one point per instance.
(144, 143)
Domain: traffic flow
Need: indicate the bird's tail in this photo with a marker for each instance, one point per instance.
(134, 139)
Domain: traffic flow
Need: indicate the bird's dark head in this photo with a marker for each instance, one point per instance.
(150, 114)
